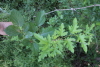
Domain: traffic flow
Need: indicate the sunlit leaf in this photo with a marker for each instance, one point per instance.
(40, 38)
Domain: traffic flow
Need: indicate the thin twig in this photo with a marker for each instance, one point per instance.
(73, 9)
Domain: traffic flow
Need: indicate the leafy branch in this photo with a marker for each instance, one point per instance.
(52, 43)
(51, 46)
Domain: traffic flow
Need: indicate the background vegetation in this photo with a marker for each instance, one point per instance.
(63, 38)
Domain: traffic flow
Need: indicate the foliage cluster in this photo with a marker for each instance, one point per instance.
(39, 39)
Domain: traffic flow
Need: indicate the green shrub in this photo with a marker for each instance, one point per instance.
(42, 46)
(37, 27)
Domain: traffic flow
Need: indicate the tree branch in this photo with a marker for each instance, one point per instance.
(73, 9)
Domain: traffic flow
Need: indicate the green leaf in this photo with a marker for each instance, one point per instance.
(75, 21)
(28, 34)
(25, 27)
(83, 42)
(74, 28)
(27, 42)
(84, 46)
(40, 18)
(98, 23)
(49, 39)
(42, 56)
(14, 38)
(33, 27)
(48, 30)
(58, 52)
(53, 20)
(88, 29)
(12, 30)
(69, 44)
(35, 48)
(40, 38)
(55, 35)
(61, 31)
(20, 36)
(16, 18)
